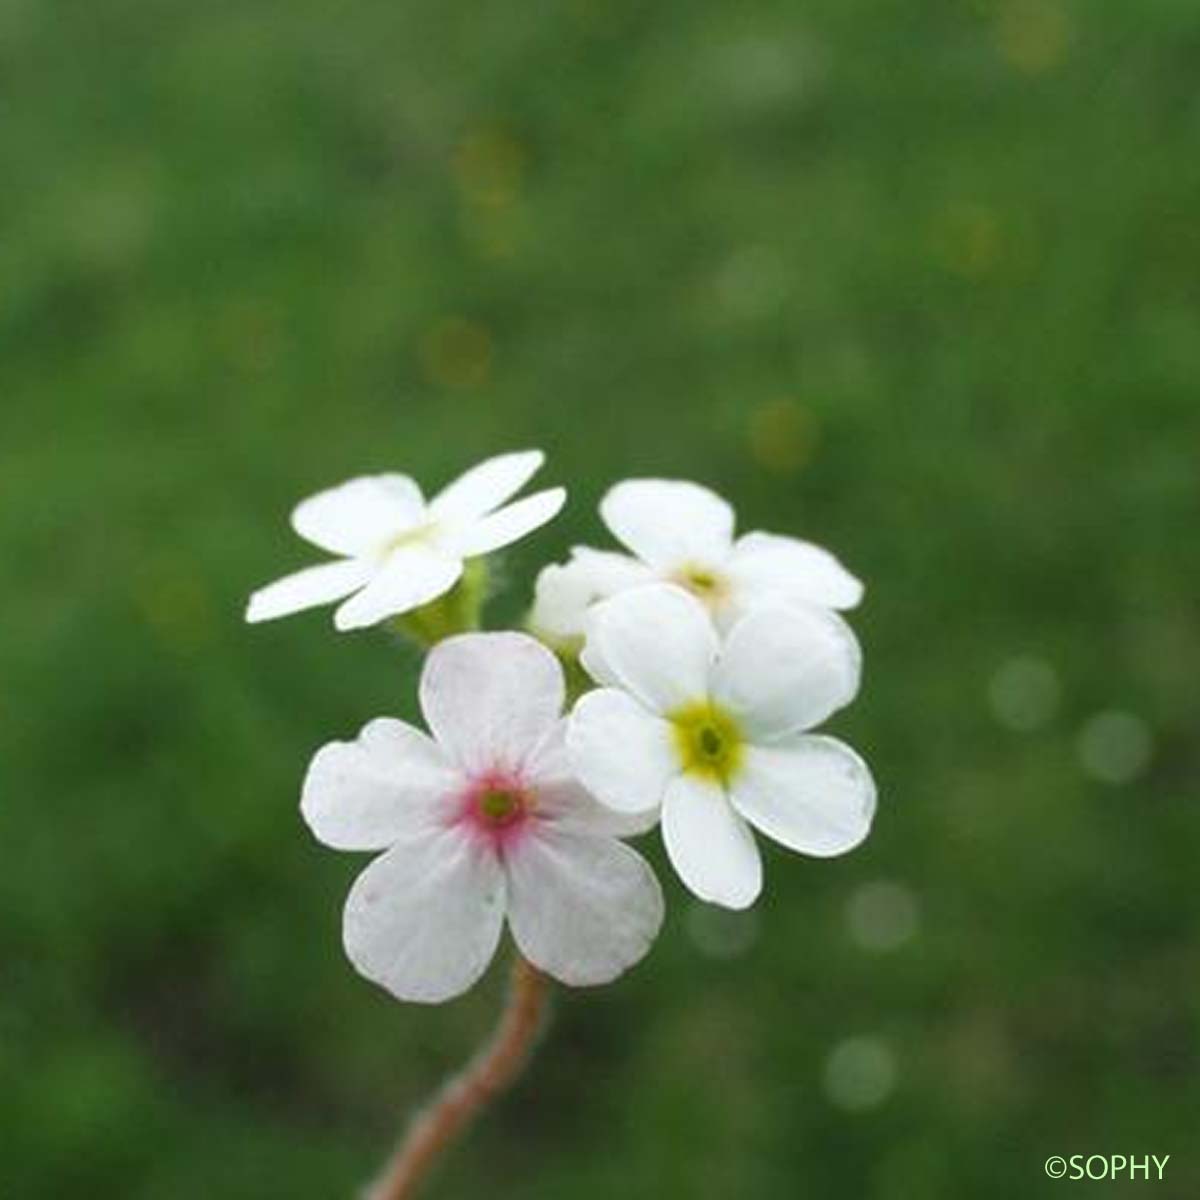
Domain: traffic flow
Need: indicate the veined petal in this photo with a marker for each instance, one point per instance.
(669, 522)
(561, 799)
(360, 515)
(374, 791)
(786, 667)
(657, 641)
(621, 753)
(486, 486)
(490, 698)
(411, 576)
(766, 565)
(308, 589)
(709, 844)
(808, 792)
(582, 908)
(505, 525)
(424, 919)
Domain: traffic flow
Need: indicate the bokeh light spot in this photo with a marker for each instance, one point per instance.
(175, 604)
(751, 283)
(1114, 747)
(881, 915)
(721, 933)
(489, 165)
(782, 435)
(860, 1073)
(1032, 36)
(1024, 693)
(970, 240)
(457, 353)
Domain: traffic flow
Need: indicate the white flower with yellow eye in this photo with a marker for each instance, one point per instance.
(713, 734)
(399, 552)
(683, 533)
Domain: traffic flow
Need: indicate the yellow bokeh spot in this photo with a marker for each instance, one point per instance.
(175, 604)
(457, 353)
(1032, 35)
(781, 435)
(489, 165)
(970, 241)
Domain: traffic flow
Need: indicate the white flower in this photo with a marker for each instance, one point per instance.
(683, 533)
(712, 733)
(482, 821)
(399, 552)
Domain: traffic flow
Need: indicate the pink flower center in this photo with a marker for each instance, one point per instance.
(496, 806)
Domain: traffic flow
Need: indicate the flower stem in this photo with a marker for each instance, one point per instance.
(496, 1065)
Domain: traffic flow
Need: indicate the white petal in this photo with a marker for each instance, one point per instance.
(564, 592)
(424, 919)
(787, 667)
(656, 641)
(582, 908)
(709, 844)
(561, 599)
(369, 793)
(811, 793)
(410, 577)
(361, 515)
(568, 805)
(562, 800)
(764, 566)
(308, 588)
(669, 522)
(486, 485)
(592, 660)
(491, 698)
(505, 525)
(622, 754)
(610, 572)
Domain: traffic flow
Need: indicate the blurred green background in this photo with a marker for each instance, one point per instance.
(918, 280)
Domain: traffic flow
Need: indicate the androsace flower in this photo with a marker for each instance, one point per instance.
(481, 822)
(397, 551)
(713, 734)
(683, 533)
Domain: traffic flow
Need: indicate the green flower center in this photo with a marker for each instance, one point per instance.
(499, 806)
(708, 740)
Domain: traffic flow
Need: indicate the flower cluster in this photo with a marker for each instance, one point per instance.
(711, 659)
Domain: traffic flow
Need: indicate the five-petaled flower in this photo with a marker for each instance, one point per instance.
(397, 551)
(683, 533)
(712, 732)
(482, 821)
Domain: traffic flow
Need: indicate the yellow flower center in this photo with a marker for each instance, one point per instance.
(703, 582)
(410, 537)
(708, 740)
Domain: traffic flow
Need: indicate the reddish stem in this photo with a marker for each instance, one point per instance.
(488, 1073)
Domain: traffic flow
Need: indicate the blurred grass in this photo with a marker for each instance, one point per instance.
(918, 281)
